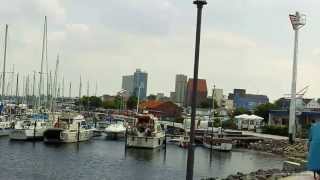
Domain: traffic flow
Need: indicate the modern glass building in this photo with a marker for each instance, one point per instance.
(140, 80)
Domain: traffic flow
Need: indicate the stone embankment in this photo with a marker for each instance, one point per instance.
(260, 174)
(282, 147)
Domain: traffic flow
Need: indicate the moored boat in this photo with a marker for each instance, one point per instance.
(29, 130)
(219, 143)
(68, 129)
(116, 129)
(145, 133)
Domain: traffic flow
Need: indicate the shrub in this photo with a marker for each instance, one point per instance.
(275, 130)
(229, 124)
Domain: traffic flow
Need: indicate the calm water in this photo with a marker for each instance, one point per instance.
(102, 159)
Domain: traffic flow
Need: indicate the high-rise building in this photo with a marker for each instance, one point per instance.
(140, 81)
(202, 91)
(181, 88)
(127, 83)
(218, 96)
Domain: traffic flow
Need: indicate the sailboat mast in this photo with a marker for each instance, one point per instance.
(46, 57)
(42, 58)
(70, 91)
(54, 93)
(96, 90)
(62, 88)
(17, 89)
(88, 86)
(4, 62)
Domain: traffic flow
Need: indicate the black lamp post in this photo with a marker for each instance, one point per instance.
(190, 162)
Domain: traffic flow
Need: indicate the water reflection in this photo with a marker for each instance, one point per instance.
(143, 154)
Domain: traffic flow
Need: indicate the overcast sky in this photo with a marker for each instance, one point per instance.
(245, 43)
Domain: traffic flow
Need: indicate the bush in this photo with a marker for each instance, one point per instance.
(229, 124)
(275, 130)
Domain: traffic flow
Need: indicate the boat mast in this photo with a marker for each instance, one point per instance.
(42, 58)
(4, 63)
(80, 92)
(17, 89)
(46, 57)
(33, 90)
(96, 90)
(80, 88)
(70, 91)
(62, 88)
(54, 93)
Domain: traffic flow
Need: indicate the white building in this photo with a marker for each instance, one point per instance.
(312, 105)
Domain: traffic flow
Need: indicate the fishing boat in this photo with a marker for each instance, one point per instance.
(68, 129)
(145, 133)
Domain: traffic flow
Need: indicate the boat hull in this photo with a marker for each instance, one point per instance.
(144, 142)
(26, 134)
(5, 132)
(56, 135)
(227, 147)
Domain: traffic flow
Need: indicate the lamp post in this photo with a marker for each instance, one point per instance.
(298, 21)
(190, 162)
(138, 101)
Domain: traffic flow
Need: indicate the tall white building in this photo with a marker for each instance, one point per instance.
(181, 88)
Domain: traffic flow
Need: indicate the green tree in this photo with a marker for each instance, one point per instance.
(132, 102)
(263, 110)
(240, 111)
(92, 102)
(208, 103)
(118, 102)
(108, 105)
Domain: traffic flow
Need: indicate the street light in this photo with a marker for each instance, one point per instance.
(139, 89)
(190, 162)
(298, 21)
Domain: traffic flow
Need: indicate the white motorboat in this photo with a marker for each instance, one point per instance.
(145, 133)
(68, 129)
(5, 128)
(115, 130)
(29, 129)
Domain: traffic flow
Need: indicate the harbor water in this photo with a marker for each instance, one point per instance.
(103, 159)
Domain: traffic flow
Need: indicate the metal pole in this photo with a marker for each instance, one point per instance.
(138, 99)
(4, 62)
(292, 116)
(190, 161)
(297, 21)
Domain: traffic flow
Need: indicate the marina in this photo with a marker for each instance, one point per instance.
(214, 125)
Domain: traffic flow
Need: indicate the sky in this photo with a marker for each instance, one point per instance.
(244, 43)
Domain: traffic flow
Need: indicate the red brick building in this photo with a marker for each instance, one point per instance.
(162, 109)
(202, 91)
